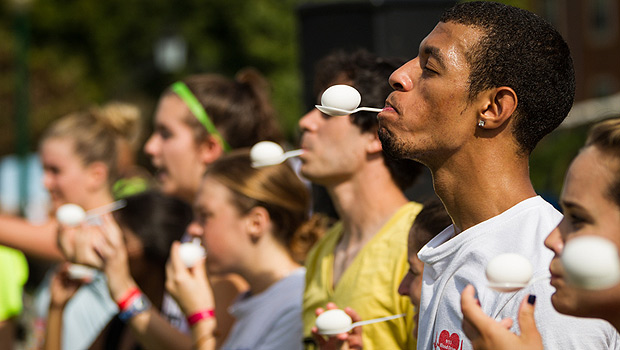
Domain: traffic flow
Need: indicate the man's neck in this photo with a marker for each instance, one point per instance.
(475, 190)
(364, 204)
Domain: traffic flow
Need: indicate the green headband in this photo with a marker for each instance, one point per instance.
(196, 108)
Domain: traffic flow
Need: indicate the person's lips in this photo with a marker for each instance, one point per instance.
(161, 174)
(556, 273)
(388, 109)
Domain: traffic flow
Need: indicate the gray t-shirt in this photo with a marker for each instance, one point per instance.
(269, 320)
(85, 315)
(450, 264)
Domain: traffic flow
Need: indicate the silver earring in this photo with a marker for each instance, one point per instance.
(481, 122)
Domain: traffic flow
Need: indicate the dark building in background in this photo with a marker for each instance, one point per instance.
(592, 31)
(387, 28)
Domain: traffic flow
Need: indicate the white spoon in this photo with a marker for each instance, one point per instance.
(337, 112)
(336, 321)
(73, 215)
(266, 153)
(81, 272)
(513, 287)
(104, 209)
(591, 262)
(339, 100)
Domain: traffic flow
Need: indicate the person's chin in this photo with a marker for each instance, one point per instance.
(563, 302)
(390, 144)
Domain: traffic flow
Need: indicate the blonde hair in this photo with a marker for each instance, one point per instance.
(97, 133)
(277, 189)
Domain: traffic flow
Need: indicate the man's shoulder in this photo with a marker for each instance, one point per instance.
(398, 225)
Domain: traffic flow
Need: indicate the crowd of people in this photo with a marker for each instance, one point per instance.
(490, 81)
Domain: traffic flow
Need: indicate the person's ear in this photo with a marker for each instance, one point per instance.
(498, 106)
(210, 150)
(97, 174)
(257, 222)
(374, 144)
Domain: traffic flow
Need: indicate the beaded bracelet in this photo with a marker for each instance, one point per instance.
(199, 316)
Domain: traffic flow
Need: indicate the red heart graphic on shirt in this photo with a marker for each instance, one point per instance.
(448, 341)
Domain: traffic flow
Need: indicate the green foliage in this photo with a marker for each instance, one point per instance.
(87, 52)
(552, 156)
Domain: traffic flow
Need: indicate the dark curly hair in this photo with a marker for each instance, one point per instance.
(520, 50)
(369, 74)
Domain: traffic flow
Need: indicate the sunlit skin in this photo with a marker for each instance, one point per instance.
(220, 226)
(587, 211)
(431, 97)
(68, 179)
(411, 285)
(173, 151)
(430, 117)
(333, 147)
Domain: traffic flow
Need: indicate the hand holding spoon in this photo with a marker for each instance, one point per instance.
(336, 321)
(266, 153)
(339, 100)
(191, 252)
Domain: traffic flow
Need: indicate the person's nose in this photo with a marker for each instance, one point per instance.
(403, 288)
(151, 146)
(194, 229)
(400, 79)
(310, 121)
(554, 241)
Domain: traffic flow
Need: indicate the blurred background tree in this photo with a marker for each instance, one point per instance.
(89, 52)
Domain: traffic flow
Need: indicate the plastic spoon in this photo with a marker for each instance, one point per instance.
(266, 153)
(73, 215)
(108, 208)
(336, 321)
(513, 287)
(339, 100)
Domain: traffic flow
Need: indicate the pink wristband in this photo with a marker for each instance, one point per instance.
(199, 316)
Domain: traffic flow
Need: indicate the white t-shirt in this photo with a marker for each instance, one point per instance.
(270, 320)
(450, 264)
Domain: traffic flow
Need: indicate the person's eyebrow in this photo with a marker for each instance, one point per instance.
(433, 51)
(570, 205)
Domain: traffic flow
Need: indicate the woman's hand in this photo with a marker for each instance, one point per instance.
(65, 236)
(109, 244)
(486, 333)
(62, 288)
(342, 341)
(188, 286)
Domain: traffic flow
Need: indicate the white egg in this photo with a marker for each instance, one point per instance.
(191, 252)
(341, 96)
(70, 214)
(266, 153)
(81, 272)
(591, 262)
(509, 268)
(332, 322)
